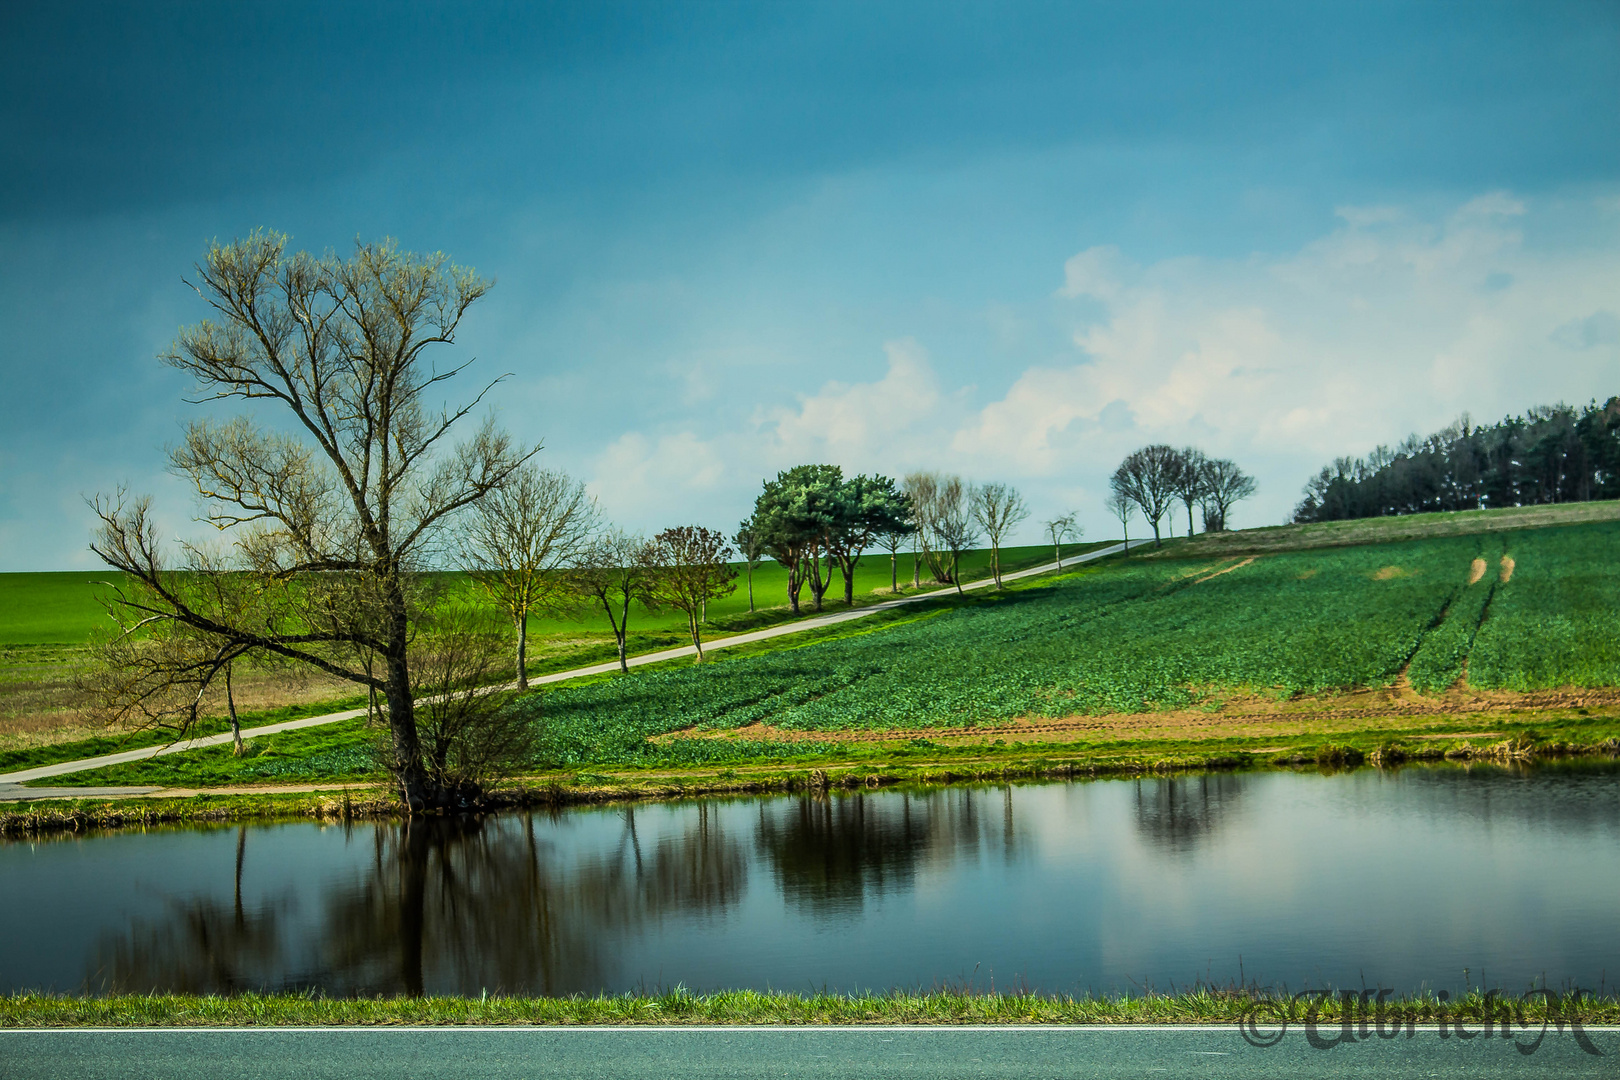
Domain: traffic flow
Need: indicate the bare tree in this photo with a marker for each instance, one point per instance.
(517, 541)
(1150, 478)
(333, 525)
(934, 497)
(690, 569)
(1224, 485)
(752, 549)
(614, 570)
(1191, 482)
(1057, 529)
(997, 509)
(922, 491)
(1121, 505)
(953, 523)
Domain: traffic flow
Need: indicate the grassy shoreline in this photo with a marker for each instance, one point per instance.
(679, 1006)
(864, 767)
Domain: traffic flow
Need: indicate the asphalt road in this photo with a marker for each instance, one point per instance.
(821, 1053)
(10, 789)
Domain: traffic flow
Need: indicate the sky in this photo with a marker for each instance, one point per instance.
(1011, 241)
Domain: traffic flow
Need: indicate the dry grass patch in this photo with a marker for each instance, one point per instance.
(1232, 716)
(40, 705)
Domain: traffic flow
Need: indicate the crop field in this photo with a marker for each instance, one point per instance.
(1142, 635)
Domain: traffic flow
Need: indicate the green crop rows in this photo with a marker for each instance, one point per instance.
(1557, 622)
(1142, 636)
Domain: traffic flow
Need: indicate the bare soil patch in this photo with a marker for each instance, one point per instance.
(1233, 716)
(1507, 569)
(1476, 570)
(1388, 572)
(1226, 570)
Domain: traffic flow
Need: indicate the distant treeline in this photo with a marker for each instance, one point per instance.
(1552, 454)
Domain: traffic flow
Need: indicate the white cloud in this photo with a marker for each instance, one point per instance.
(853, 424)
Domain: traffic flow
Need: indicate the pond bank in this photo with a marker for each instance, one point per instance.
(920, 764)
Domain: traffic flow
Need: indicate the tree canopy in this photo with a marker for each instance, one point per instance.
(1550, 454)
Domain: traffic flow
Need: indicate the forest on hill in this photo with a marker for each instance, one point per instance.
(1551, 454)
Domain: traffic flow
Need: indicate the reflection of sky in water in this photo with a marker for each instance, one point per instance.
(1397, 879)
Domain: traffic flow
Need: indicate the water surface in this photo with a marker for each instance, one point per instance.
(1398, 879)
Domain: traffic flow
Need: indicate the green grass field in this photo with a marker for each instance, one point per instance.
(63, 608)
(50, 608)
(1126, 636)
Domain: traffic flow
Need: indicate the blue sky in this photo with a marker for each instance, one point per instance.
(1014, 241)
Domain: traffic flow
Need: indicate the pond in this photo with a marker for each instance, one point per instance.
(1424, 877)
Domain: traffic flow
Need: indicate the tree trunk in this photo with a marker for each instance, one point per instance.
(230, 705)
(1189, 519)
(995, 562)
(1156, 541)
(894, 573)
(697, 636)
(621, 627)
(956, 573)
(818, 587)
(750, 588)
(523, 651)
(849, 581)
(415, 788)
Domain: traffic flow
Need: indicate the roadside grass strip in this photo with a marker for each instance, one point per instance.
(680, 1006)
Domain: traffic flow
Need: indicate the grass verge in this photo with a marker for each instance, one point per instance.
(916, 762)
(680, 1006)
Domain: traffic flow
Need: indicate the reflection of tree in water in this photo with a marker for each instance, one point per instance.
(1178, 812)
(446, 906)
(831, 852)
(202, 947)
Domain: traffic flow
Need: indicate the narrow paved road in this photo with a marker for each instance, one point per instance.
(9, 782)
(819, 1053)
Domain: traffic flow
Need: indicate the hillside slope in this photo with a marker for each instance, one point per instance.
(1494, 612)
